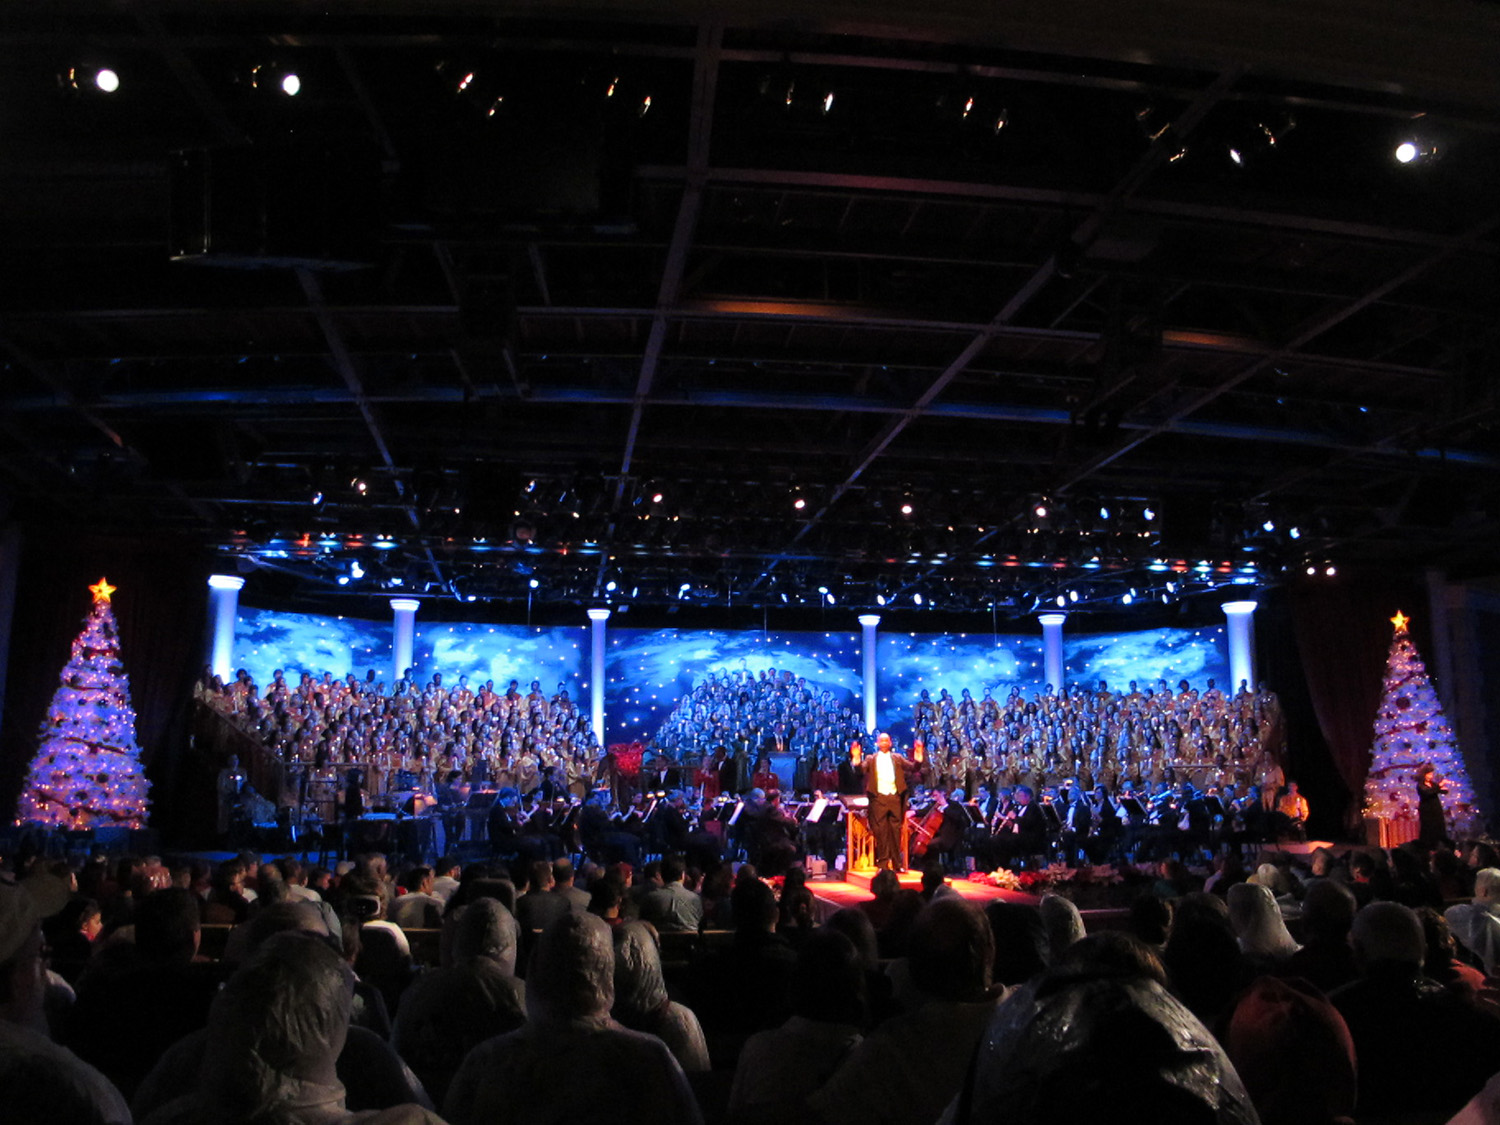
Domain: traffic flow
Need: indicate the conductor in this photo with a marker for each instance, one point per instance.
(886, 784)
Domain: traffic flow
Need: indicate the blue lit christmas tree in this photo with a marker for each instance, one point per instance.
(87, 771)
(1410, 730)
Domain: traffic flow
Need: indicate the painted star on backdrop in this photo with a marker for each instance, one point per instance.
(102, 590)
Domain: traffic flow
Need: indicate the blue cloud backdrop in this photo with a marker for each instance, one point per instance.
(648, 670)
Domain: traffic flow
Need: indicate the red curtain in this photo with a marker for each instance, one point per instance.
(1343, 633)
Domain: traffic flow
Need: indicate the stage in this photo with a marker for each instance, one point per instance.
(836, 894)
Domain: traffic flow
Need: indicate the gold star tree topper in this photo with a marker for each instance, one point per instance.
(102, 590)
(1399, 621)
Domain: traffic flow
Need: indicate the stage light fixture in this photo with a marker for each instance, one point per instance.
(1148, 514)
(645, 106)
(828, 102)
(291, 85)
(1295, 533)
(1412, 151)
(614, 84)
(1001, 121)
(1127, 598)
(656, 498)
(799, 503)
(535, 583)
(107, 80)
(880, 599)
(906, 509)
(1104, 513)
(916, 599)
(1330, 571)
(1061, 601)
(1312, 570)
(1040, 511)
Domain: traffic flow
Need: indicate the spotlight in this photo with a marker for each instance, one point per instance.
(1269, 525)
(1061, 601)
(1148, 514)
(645, 106)
(1312, 570)
(107, 80)
(916, 599)
(1001, 122)
(799, 503)
(656, 498)
(611, 586)
(1104, 513)
(906, 509)
(291, 85)
(535, 583)
(828, 102)
(1410, 152)
(880, 599)
(1295, 533)
(1127, 598)
(1331, 571)
(1072, 595)
(356, 570)
(1041, 511)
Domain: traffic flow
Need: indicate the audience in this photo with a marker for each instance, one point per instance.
(272, 1045)
(570, 1061)
(1098, 1037)
(909, 1067)
(798, 1021)
(1393, 1008)
(642, 1003)
(42, 1082)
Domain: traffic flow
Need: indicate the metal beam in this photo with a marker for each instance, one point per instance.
(1161, 151)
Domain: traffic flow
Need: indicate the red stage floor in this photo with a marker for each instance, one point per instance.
(833, 896)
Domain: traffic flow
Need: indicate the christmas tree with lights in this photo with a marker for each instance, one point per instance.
(1410, 730)
(87, 771)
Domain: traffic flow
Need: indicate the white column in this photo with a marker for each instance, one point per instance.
(597, 616)
(223, 605)
(403, 636)
(1240, 617)
(868, 623)
(1052, 648)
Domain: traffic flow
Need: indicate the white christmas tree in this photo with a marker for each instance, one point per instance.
(87, 770)
(1410, 730)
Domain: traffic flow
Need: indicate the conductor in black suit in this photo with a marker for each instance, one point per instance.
(886, 783)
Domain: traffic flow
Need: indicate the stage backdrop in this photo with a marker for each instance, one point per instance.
(648, 670)
(557, 657)
(302, 642)
(910, 662)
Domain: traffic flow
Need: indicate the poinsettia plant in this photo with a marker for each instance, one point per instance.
(628, 757)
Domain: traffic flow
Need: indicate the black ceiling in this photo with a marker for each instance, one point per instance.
(519, 276)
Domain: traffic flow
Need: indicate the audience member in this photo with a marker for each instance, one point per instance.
(450, 1010)
(672, 908)
(1098, 1037)
(781, 1068)
(1258, 925)
(1326, 958)
(537, 1073)
(911, 1066)
(642, 1003)
(43, 1082)
(1477, 924)
(1392, 1009)
(1293, 1052)
(272, 1045)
